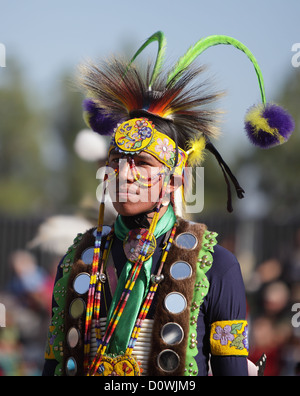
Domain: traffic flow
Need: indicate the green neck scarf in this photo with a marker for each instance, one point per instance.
(122, 333)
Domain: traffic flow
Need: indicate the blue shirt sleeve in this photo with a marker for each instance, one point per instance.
(226, 300)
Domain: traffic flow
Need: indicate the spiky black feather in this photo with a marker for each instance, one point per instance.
(184, 101)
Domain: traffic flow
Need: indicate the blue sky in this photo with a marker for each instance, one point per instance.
(51, 36)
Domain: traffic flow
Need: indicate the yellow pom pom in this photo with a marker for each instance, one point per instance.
(196, 151)
(86, 117)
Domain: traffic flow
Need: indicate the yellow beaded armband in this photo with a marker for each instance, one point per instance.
(229, 338)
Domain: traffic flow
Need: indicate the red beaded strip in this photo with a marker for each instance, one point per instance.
(94, 294)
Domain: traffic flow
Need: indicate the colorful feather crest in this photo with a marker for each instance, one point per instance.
(115, 92)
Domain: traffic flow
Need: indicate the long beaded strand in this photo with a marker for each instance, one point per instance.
(117, 313)
(150, 297)
(97, 300)
(128, 287)
(93, 281)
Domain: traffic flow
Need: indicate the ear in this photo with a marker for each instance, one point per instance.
(175, 182)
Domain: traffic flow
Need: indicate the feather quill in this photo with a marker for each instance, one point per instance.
(204, 44)
(162, 43)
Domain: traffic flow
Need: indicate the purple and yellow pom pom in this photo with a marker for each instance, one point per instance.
(96, 119)
(268, 125)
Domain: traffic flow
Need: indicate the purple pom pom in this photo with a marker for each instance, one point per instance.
(96, 119)
(280, 119)
(268, 125)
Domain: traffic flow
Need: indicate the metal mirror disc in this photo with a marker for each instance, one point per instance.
(175, 303)
(181, 270)
(172, 333)
(71, 367)
(168, 360)
(73, 337)
(186, 240)
(77, 308)
(105, 231)
(87, 256)
(82, 283)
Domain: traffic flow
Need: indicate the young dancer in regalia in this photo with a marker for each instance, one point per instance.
(153, 293)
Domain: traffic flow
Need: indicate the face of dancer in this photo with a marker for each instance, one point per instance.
(138, 183)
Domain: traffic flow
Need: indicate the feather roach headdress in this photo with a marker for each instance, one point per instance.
(117, 92)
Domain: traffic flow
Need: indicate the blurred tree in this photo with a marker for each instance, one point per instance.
(21, 129)
(39, 170)
(74, 179)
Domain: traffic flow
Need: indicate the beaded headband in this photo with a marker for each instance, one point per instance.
(139, 134)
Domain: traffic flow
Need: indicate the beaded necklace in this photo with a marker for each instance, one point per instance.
(155, 279)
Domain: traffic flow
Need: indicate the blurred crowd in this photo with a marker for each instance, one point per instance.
(272, 289)
(27, 301)
(28, 295)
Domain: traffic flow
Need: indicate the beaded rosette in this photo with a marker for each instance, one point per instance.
(119, 366)
(133, 244)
